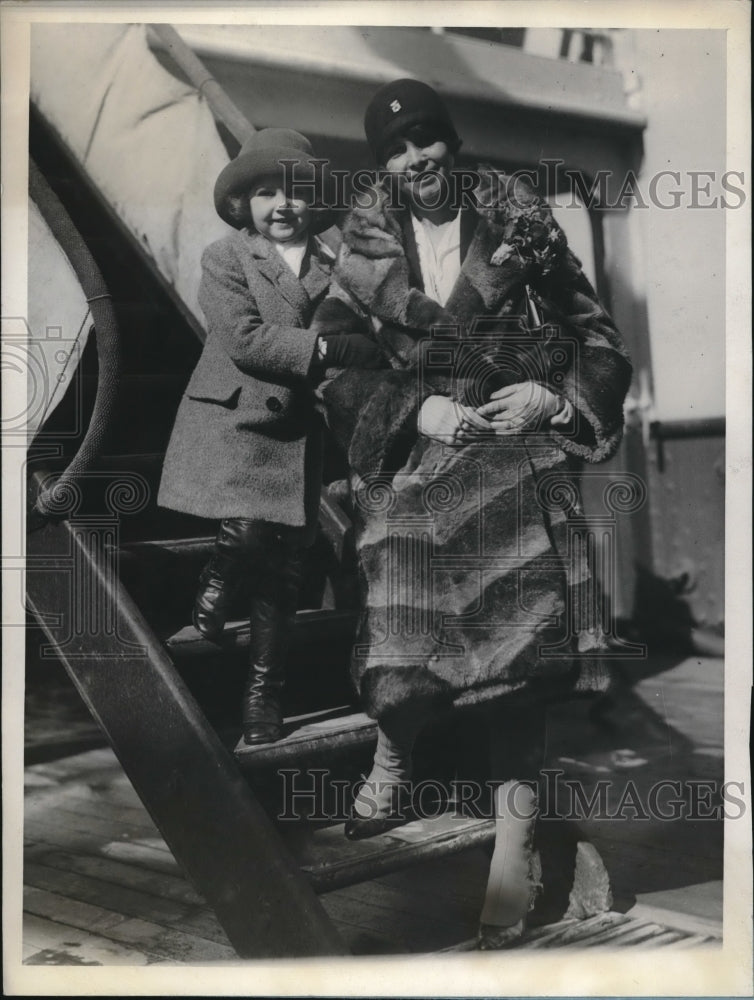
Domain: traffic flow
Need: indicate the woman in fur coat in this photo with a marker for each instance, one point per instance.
(506, 372)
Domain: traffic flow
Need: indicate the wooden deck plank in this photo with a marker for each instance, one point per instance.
(100, 762)
(702, 902)
(132, 820)
(392, 913)
(49, 943)
(107, 895)
(396, 905)
(172, 944)
(161, 942)
(708, 924)
(400, 899)
(82, 800)
(622, 934)
(92, 828)
(699, 941)
(203, 924)
(608, 931)
(361, 919)
(72, 912)
(191, 917)
(109, 870)
(461, 884)
(566, 930)
(144, 855)
(665, 938)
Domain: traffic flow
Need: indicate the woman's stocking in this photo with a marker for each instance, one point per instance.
(382, 801)
(516, 754)
(391, 768)
(515, 873)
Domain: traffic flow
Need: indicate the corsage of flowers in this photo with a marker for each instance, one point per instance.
(532, 235)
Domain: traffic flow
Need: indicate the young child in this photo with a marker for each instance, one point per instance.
(246, 445)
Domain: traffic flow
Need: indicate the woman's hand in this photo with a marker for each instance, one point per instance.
(519, 407)
(444, 420)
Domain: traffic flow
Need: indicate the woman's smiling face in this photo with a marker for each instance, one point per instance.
(421, 161)
(275, 215)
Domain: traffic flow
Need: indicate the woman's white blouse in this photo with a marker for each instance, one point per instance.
(439, 255)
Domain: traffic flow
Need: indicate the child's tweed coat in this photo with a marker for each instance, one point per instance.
(246, 441)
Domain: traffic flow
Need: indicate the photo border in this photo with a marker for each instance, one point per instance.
(590, 973)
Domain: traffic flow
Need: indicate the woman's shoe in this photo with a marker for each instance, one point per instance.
(358, 828)
(383, 799)
(491, 938)
(386, 805)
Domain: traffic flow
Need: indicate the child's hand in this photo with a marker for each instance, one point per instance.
(525, 405)
(352, 350)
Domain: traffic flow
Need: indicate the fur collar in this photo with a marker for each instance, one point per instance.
(376, 255)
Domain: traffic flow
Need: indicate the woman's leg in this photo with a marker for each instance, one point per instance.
(382, 800)
(517, 742)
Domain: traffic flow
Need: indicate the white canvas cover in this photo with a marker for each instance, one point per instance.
(147, 140)
(58, 322)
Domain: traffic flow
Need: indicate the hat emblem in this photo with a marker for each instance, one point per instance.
(395, 106)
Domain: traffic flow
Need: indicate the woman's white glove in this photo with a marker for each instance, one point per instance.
(444, 420)
(524, 406)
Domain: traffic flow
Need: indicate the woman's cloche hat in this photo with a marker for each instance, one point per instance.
(401, 105)
(260, 155)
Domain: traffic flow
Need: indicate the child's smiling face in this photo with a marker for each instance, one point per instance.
(275, 215)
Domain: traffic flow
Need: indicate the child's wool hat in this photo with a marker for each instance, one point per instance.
(261, 155)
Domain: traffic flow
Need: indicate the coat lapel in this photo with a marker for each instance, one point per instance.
(468, 228)
(480, 285)
(412, 252)
(317, 278)
(274, 268)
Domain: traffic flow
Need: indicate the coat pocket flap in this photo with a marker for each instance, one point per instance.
(214, 391)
